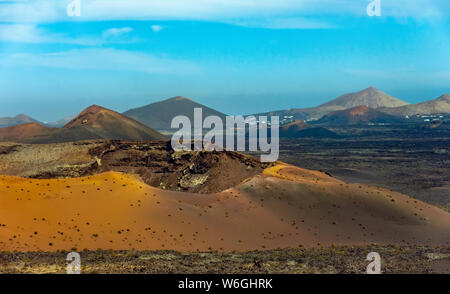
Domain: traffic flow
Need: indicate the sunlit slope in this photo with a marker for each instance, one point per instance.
(284, 207)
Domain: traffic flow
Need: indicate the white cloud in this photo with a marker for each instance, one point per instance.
(30, 33)
(23, 33)
(100, 59)
(214, 10)
(116, 32)
(157, 28)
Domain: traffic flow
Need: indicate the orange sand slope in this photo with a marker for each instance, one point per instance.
(284, 207)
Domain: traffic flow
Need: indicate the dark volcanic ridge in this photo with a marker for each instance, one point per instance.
(301, 129)
(360, 115)
(156, 163)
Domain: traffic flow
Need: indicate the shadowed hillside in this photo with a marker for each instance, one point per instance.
(159, 115)
(300, 129)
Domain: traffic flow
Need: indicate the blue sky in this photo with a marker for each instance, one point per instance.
(239, 56)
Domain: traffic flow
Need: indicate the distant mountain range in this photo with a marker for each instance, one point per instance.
(24, 119)
(148, 122)
(437, 106)
(60, 123)
(95, 122)
(370, 97)
(159, 115)
(17, 120)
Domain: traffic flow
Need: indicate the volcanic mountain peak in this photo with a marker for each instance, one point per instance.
(94, 109)
(98, 122)
(90, 115)
(179, 98)
(159, 115)
(95, 122)
(445, 97)
(370, 97)
(371, 89)
(24, 117)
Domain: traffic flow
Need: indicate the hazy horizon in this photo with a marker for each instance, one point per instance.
(239, 59)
